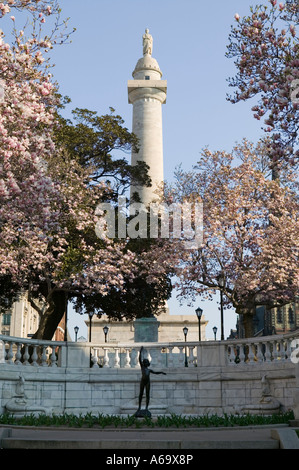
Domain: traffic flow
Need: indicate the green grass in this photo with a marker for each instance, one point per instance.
(173, 421)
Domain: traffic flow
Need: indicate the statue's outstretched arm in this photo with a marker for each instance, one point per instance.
(157, 373)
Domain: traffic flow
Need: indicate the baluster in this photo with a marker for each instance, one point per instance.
(275, 351)
(232, 355)
(94, 358)
(267, 352)
(34, 356)
(53, 360)
(251, 353)
(116, 359)
(135, 356)
(259, 355)
(242, 353)
(181, 356)
(26, 355)
(288, 349)
(18, 354)
(10, 354)
(152, 357)
(170, 357)
(191, 356)
(44, 356)
(159, 355)
(282, 351)
(2, 352)
(106, 358)
(127, 359)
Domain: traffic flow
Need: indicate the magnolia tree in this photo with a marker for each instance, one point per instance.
(266, 52)
(48, 244)
(26, 192)
(76, 262)
(48, 197)
(250, 234)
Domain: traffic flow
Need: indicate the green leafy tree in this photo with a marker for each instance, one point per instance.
(100, 143)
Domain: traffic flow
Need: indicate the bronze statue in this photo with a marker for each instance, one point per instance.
(145, 383)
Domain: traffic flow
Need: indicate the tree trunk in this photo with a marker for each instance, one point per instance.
(248, 324)
(52, 317)
(248, 312)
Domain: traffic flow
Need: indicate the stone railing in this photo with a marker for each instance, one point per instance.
(26, 351)
(163, 355)
(221, 377)
(276, 348)
(266, 349)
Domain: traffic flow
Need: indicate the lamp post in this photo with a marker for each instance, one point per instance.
(215, 331)
(90, 314)
(76, 328)
(221, 281)
(65, 318)
(199, 312)
(185, 331)
(106, 329)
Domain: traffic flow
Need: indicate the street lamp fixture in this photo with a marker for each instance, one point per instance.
(106, 329)
(221, 282)
(199, 312)
(90, 314)
(76, 328)
(215, 331)
(185, 331)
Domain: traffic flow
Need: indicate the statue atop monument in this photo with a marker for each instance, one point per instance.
(147, 43)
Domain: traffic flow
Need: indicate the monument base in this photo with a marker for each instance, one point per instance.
(146, 330)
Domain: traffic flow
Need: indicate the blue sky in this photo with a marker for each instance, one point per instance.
(190, 39)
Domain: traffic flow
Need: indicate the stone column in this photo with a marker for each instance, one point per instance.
(147, 93)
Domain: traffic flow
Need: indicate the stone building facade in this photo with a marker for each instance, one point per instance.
(170, 328)
(22, 320)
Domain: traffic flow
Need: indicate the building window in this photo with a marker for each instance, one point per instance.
(147, 77)
(279, 314)
(6, 319)
(291, 315)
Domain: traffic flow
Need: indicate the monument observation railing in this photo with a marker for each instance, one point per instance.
(39, 353)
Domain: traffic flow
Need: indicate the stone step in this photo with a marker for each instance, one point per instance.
(131, 445)
(136, 439)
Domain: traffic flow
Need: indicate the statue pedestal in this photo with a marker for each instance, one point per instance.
(156, 408)
(146, 330)
(143, 414)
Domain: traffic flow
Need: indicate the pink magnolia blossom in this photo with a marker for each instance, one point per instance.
(266, 59)
(251, 228)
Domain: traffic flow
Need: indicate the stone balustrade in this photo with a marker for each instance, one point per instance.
(21, 351)
(161, 355)
(276, 348)
(26, 351)
(221, 377)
